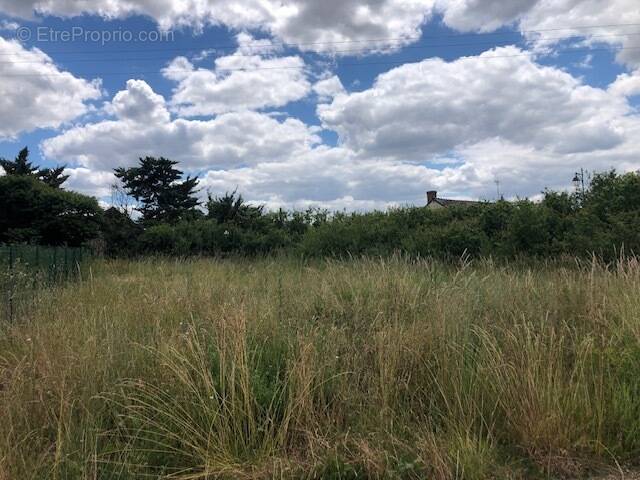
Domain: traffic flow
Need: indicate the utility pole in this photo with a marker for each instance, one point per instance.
(578, 181)
(497, 182)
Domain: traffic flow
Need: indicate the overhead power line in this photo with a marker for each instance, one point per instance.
(341, 65)
(382, 40)
(354, 51)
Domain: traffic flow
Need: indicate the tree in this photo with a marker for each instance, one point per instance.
(20, 166)
(34, 212)
(161, 197)
(610, 193)
(610, 213)
(231, 208)
(54, 177)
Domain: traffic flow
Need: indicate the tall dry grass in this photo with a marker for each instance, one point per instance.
(363, 369)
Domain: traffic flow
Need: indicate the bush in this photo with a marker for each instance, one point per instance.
(119, 233)
(34, 212)
(604, 221)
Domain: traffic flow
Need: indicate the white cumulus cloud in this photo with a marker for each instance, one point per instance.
(329, 88)
(326, 26)
(626, 85)
(143, 127)
(35, 93)
(139, 104)
(429, 108)
(547, 22)
(242, 81)
(277, 162)
(453, 126)
(320, 25)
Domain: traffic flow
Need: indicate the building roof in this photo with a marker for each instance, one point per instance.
(446, 202)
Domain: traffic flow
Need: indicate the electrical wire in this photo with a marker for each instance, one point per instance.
(168, 71)
(354, 51)
(271, 45)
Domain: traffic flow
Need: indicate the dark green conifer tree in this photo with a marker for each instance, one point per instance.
(155, 185)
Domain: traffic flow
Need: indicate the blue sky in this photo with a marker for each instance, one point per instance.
(354, 105)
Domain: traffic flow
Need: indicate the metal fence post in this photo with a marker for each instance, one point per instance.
(66, 262)
(80, 252)
(10, 285)
(54, 264)
(36, 270)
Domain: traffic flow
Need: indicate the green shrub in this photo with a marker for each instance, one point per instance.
(34, 212)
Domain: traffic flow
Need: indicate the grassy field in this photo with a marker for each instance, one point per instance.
(363, 369)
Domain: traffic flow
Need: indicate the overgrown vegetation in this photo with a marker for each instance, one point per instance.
(494, 341)
(605, 220)
(25, 269)
(361, 369)
(170, 220)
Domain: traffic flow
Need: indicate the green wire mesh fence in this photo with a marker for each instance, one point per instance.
(26, 268)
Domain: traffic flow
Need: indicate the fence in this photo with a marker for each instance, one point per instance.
(25, 268)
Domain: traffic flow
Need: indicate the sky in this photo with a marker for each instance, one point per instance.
(339, 104)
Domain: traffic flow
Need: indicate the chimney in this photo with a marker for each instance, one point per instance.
(431, 196)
